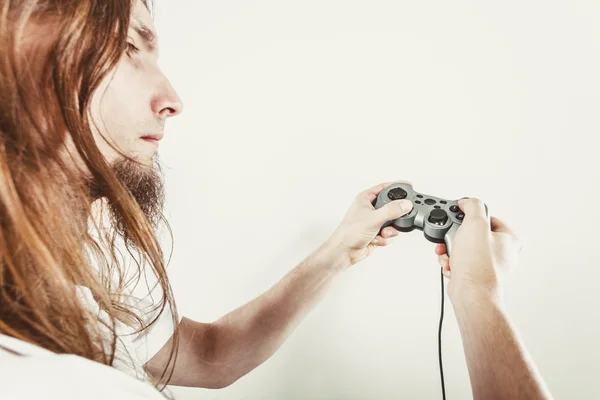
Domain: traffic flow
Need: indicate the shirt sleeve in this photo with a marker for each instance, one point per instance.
(55, 377)
(148, 293)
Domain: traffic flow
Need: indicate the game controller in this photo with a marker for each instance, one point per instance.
(438, 218)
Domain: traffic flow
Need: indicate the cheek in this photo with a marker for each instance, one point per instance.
(118, 109)
(113, 121)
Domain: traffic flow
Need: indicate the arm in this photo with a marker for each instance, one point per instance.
(499, 365)
(484, 251)
(217, 354)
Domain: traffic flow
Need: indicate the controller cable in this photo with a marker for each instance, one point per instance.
(440, 340)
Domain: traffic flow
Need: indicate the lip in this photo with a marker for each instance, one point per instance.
(156, 137)
(150, 140)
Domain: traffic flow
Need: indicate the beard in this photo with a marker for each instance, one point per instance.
(146, 184)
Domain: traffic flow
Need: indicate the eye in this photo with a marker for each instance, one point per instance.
(132, 49)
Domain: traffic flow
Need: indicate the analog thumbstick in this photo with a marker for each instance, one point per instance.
(438, 216)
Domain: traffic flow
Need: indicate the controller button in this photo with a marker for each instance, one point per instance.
(430, 201)
(397, 194)
(443, 201)
(460, 216)
(418, 201)
(454, 208)
(438, 217)
(437, 207)
(420, 196)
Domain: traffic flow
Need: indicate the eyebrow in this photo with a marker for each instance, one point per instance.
(147, 35)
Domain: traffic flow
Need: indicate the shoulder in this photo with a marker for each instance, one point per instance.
(28, 371)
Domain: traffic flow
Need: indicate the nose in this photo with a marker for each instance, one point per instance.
(166, 102)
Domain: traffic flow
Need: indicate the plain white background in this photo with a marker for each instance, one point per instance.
(292, 108)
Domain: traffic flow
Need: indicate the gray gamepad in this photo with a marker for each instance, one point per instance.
(439, 219)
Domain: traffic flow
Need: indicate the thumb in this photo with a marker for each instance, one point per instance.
(393, 210)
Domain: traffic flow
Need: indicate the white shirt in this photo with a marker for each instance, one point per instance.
(41, 374)
(36, 373)
(134, 350)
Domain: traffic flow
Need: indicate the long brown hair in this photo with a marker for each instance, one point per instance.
(47, 80)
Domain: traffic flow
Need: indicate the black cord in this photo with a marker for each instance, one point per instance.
(440, 340)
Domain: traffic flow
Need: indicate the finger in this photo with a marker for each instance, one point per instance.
(380, 241)
(444, 262)
(498, 225)
(473, 208)
(446, 271)
(373, 192)
(389, 232)
(376, 240)
(440, 249)
(392, 211)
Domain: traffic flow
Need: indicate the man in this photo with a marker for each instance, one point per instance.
(84, 109)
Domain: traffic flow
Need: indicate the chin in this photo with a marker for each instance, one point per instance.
(144, 156)
(148, 162)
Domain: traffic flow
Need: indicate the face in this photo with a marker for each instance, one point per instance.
(132, 103)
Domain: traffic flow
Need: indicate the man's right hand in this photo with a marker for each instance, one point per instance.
(484, 251)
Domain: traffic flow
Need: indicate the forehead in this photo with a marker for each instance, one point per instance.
(141, 16)
(141, 22)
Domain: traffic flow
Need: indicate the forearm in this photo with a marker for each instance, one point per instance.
(499, 365)
(249, 335)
